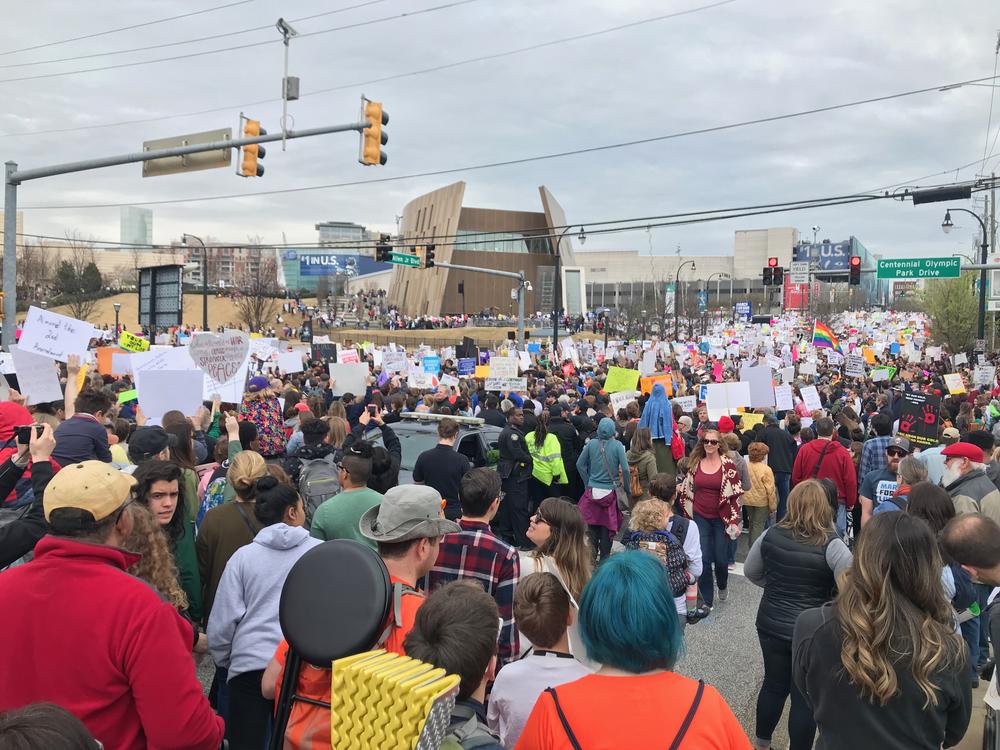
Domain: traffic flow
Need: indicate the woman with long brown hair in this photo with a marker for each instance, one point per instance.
(797, 563)
(560, 537)
(641, 457)
(882, 666)
(710, 494)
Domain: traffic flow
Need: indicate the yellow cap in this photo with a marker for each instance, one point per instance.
(93, 486)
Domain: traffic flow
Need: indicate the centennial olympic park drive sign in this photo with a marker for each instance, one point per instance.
(920, 268)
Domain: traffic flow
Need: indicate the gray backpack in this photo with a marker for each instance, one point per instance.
(465, 731)
(319, 480)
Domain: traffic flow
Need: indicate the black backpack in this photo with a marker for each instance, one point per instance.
(677, 560)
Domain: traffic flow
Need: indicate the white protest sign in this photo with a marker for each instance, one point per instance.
(834, 358)
(687, 403)
(725, 398)
(648, 364)
(503, 367)
(621, 399)
(787, 374)
(933, 352)
(36, 377)
(449, 380)
(810, 397)
(807, 368)
(121, 363)
(263, 348)
(524, 360)
(393, 361)
(348, 378)
(55, 336)
(6, 363)
(984, 375)
(289, 362)
(759, 380)
(505, 384)
(960, 359)
(854, 366)
(159, 391)
(880, 374)
(220, 356)
(783, 397)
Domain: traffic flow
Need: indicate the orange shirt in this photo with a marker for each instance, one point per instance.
(408, 607)
(645, 711)
(308, 725)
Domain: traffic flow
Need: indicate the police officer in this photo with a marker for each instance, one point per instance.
(514, 467)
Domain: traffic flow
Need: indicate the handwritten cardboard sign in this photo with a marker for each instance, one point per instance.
(220, 356)
(55, 336)
(132, 343)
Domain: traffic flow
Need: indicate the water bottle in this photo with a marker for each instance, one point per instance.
(691, 597)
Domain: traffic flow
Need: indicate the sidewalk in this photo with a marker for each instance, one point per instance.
(973, 739)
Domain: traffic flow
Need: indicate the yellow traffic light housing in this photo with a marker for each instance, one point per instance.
(249, 163)
(373, 137)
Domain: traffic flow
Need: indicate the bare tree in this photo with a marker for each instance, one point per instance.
(33, 273)
(258, 289)
(72, 276)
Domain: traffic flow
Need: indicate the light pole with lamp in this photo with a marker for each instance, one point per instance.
(677, 289)
(204, 277)
(118, 309)
(947, 226)
(556, 287)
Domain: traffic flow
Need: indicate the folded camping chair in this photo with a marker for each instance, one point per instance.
(333, 608)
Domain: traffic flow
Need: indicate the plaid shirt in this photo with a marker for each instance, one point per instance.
(475, 553)
(873, 455)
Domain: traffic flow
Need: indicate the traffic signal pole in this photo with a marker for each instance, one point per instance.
(521, 284)
(14, 177)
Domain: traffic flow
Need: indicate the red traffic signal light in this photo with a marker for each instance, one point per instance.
(772, 262)
(854, 271)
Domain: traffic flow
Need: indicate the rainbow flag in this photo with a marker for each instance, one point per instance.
(823, 337)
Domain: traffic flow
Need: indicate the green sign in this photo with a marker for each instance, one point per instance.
(920, 268)
(405, 259)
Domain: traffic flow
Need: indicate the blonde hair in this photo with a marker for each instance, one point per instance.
(157, 566)
(339, 429)
(337, 409)
(810, 517)
(649, 515)
(244, 471)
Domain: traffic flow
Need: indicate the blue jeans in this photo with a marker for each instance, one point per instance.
(782, 481)
(970, 632)
(714, 552)
(982, 594)
(841, 520)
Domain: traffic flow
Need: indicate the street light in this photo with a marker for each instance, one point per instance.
(556, 290)
(677, 287)
(947, 226)
(118, 309)
(204, 278)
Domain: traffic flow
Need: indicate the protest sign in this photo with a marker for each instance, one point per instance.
(125, 396)
(348, 378)
(466, 366)
(432, 364)
(748, 420)
(807, 368)
(449, 380)
(104, 361)
(984, 375)
(482, 371)
(324, 352)
(394, 361)
(687, 403)
(810, 397)
(648, 365)
(854, 366)
(121, 363)
(6, 363)
(884, 372)
(290, 362)
(132, 343)
(918, 419)
(159, 391)
(646, 384)
(726, 398)
(220, 356)
(954, 382)
(55, 336)
(621, 399)
(787, 374)
(506, 384)
(960, 359)
(760, 382)
(524, 360)
(621, 379)
(503, 367)
(348, 356)
(36, 377)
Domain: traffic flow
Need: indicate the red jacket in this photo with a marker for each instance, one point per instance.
(837, 464)
(82, 633)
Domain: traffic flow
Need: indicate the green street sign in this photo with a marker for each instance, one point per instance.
(920, 268)
(405, 259)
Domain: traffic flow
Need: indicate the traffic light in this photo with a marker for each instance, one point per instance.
(854, 276)
(249, 165)
(429, 256)
(383, 248)
(373, 137)
(768, 276)
(779, 275)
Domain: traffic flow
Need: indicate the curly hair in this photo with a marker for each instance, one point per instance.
(157, 565)
(649, 516)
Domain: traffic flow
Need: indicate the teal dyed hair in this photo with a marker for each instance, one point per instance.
(628, 619)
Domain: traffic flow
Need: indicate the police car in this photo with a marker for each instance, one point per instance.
(417, 432)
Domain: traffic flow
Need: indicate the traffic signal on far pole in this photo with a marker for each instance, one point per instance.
(779, 275)
(252, 154)
(854, 275)
(769, 271)
(429, 256)
(373, 137)
(382, 249)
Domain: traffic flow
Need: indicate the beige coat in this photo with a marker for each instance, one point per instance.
(762, 492)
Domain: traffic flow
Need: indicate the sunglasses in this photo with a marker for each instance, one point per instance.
(709, 442)
(895, 452)
(538, 518)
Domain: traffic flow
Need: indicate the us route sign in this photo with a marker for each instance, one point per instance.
(920, 268)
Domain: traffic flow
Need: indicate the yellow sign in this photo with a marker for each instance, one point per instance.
(482, 371)
(132, 343)
(621, 379)
(954, 382)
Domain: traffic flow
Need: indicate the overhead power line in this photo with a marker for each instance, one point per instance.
(164, 45)
(248, 45)
(124, 28)
(525, 159)
(381, 79)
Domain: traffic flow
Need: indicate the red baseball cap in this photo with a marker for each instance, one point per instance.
(726, 424)
(964, 450)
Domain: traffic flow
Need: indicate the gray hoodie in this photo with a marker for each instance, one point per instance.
(243, 629)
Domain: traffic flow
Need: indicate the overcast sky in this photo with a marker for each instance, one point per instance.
(738, 61)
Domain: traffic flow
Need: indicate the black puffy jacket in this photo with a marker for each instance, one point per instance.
(797, 578)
